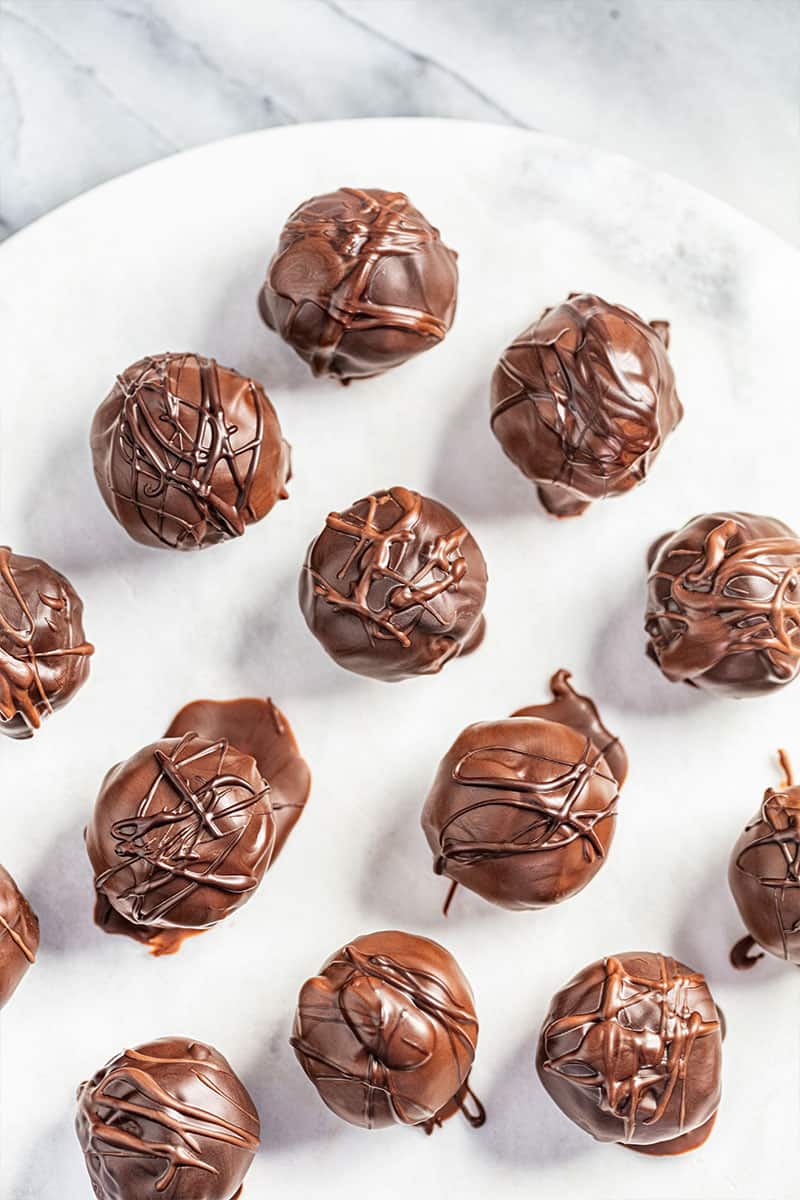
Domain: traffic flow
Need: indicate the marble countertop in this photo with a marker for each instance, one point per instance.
(708, 90)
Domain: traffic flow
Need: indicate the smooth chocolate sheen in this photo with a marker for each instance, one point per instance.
(44, 656)
(523, 810)
(360, 282)
(169, 1120)
(723, 604)
(764, 876)
(181, 835)
(387, 1033)
(19, 936)
(394, 586)
(187, 453)
(583, 401)
(631, 1050)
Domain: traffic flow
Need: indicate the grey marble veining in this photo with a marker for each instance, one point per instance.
(708, 90)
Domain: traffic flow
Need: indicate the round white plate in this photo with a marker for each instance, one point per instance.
(171, 258)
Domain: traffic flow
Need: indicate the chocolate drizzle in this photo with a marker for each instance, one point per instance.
(19, 936)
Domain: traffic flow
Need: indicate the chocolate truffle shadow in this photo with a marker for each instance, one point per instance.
(60, 890)
(290, 1111)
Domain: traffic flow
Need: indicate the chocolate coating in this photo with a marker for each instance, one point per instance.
(19, 936)
(181, 835)
(583, 400)
(523, 810)
(188, 453)
(360, 282)
(169, 1119)
(631, 1050)
(723, 604)
(394, 586)
(387, 1033)
(44, 657)
(256, 727)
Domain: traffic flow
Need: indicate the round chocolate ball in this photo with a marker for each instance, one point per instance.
(387, 1033)
(394, 586)
(181, 835)
(167, 1119)
(188, 453)
(583, 400)
(723, 604)
(631, 1050)
(44, 657)
(19, 936)
(360, 282)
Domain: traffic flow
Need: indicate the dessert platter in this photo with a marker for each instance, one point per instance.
(399, 641)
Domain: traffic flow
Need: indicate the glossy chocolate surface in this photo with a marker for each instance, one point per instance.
(188, 453)
(394, 586)
(631, 1050)
(44, 656)
(583, 400)
(19, 936)
(723, 604)
(360, 282)
(387, 1033)
(169, 1120)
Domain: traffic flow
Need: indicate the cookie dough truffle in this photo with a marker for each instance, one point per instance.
(19, 936)
(44, 656)
(387, 1033)
(181, 836)
(394, 586)
(523, 810)
(631, 1050)
(764, 876)
(188, 453)
(583, 401)
(167, 1119)
(360, 282)
(723, 604)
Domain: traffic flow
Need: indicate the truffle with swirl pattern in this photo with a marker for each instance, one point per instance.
(19, 936)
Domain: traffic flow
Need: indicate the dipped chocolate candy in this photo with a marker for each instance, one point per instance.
(19, 936)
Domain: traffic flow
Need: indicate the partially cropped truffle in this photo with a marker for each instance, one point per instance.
(44, 656)
(360, 282)
(169, 1120)
(631, 1050)
(387, 1033)
(723, 604)
(523, 810)
(180, 837)
(394, 586)
(19, 936)
(188, 453)
(764, 876)
(583, 401)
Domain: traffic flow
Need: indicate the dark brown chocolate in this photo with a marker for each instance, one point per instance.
(723, 604)
(387, 1033)
(394, 586)
(187, 453)
(169, 1120)
(523, 810)
(583, 400)
(19, 936)
(631, 1050)
(360, 282)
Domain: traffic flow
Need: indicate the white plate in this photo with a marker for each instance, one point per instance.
(170, 258)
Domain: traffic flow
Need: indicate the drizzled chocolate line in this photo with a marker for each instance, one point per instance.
(17, 939)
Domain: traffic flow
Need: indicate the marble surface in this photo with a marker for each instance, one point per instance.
(708, 90)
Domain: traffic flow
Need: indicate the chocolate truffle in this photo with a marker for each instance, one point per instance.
(360, 282)
(19, 936)
(583, 400)
(394, 586)
(188, 453)
(764, 875)
(631, 1050)
(387, 1033)
(256, 727)
(522, 810)
(44, 657)
(181, 836)
(168, 1119)
(723, 604)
